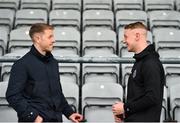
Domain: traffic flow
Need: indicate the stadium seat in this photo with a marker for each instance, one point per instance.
(71, 96)
(151, 5)
(174, 102)
(163, 18)
(164, 111)
(97, 4)
(71, 18)
(128, 5)
(97, 101)
(71, 93)
(5, 71)
(3, 41)
(19, 38)
(177, 5)
(66, 4)
(101, 73)
(69, 72)
(67, 40)
(125, 73)
(7, 114)
(6, 19)
(27, 17)
(99, 40)
(9, 4)
(35, 4)
(94, 18)
(6, 66)
(172, 72)
(125, 17)
(167, 42)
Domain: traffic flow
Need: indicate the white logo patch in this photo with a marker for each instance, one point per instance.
(134, 74)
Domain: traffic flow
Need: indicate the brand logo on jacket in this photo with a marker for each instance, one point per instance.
(134, 73)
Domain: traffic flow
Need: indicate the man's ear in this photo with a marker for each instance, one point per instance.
(137, 36)
(36, 38)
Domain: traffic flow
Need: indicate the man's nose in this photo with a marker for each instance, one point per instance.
(53, 40)
(123, 41)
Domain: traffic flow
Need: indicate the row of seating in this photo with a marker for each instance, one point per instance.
(115, 5)
(102, 73)
(105, 18)
(97, 99)
(103, 41)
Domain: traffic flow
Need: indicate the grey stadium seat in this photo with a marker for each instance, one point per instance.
(7, 113)
(5, 71)
(71, 93)
(6, 66)
(97, 4)
(125, 17)
(172, 72)
(167, 42)
(9, 4)
(97, 101)
(27, 17)
(100, 73)
(164, 111)
(69, 72)
(35, 4)
(128, 5)
(67, 40)
(70, 18)
(125, 73)
(7, 19)
(177, 4)
(174, 102)
(19, 39)
(66, 4)
(151, 5)
(3, 41)
(94, 18)
(96, 39)
(163, 18)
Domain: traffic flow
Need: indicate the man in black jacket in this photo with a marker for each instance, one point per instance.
(34, 89)
(146, 81)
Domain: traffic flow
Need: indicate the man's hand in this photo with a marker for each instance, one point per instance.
(38, 119)
(117, 119)
(76, 118)
(118, 108)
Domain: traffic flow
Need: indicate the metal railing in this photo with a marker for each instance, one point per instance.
(94, 60)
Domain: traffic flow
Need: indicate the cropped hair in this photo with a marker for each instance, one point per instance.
(39, 28)
(136, 25)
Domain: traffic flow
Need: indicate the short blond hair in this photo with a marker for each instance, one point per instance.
(135, 26)
(39, 28)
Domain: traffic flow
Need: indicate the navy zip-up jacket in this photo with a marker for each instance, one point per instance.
(145, 88)
(34, 88)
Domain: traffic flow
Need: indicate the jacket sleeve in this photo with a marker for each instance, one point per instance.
(67, 109)
(151, 74)
(15, 91)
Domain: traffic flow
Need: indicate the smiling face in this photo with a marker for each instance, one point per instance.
(130, 39)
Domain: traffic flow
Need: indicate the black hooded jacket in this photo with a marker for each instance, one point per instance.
(145, 88)
(34, 88)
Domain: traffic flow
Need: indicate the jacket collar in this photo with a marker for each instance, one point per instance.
(41, 57)
(149, 49)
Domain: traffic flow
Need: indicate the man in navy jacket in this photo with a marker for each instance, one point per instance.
(146, 81)
(34, 89)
